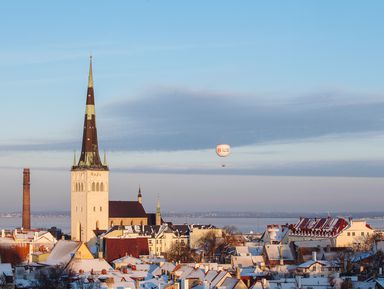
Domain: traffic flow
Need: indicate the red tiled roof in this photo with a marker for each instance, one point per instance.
(320, 227)
(126, 209)
(117, 248)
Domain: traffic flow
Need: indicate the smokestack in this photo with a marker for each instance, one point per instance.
(26, 200)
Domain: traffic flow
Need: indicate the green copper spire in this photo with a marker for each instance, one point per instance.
(90, 77)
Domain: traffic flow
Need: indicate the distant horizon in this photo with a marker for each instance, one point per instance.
(230, 214)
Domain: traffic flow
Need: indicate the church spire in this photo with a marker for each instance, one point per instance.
(140, 196)
(89, 157)
(90, 76)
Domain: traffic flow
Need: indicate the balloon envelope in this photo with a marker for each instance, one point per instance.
(223, 150)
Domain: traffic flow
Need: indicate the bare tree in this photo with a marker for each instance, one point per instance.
(51, 278)
(181, 253)
(366, 243)
(210, 245)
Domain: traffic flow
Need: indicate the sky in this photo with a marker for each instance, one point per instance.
(295, 87)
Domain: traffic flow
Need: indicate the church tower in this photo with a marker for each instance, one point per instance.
(89, 179)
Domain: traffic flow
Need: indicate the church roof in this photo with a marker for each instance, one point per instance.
(126, 209)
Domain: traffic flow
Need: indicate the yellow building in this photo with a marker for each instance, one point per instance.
(357, 232)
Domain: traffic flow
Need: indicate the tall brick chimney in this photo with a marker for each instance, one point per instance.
(26, 200)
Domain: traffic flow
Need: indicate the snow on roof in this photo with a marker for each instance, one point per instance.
(277, 233)
(257, 285)
(243, 261)
(365, 284)
(357, 257)
(153, 283)
(249, 250)
(168, 266)
(63, 252)
(229, 283)
(310, 263)
(218, 278)
(128, 260)
(140, 275)
(273, 252)
(319, 227)
(184, 272)
(6, 269)
(210, 275)
(196, 273)
(250, 271)
(88, 265)
(315, 281)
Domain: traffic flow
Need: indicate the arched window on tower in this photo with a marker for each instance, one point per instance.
(101, 187)
(97, 187)
(81, 187)
(76, 189)
(93, 187)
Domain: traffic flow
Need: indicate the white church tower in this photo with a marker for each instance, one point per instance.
(89, 180)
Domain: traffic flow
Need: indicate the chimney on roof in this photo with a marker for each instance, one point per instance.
(26, 223)
(238, 273)
(281, 255)
(314, 255)
(298, 281)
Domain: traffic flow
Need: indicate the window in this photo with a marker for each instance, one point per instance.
(82, 187)
(348, 234)
(353, 233)
(93, 187)
(101, 208)
(97, 187)
(102, 187)
(94, 209)
(362, 233)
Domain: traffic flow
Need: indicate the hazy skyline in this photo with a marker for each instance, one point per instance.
(295, 87)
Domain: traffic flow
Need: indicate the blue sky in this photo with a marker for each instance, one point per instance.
(296, 87)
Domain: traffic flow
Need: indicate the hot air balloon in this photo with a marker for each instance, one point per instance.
(223, 150)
